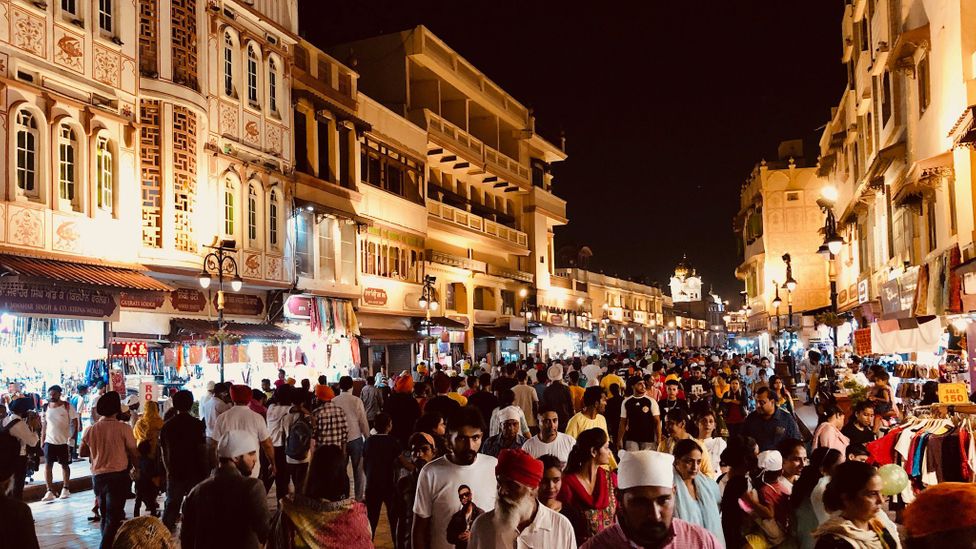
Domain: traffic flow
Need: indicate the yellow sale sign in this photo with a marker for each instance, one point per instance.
(953, 393)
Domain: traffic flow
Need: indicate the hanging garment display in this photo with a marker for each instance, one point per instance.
(921, 335)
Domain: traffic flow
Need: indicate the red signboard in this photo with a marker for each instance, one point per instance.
(43, 299)
(188, 301)
(375, 296)
(130, 349)
(298, 307)
(142, 300)
(242, 304)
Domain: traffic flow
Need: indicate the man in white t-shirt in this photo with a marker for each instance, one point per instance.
(592, 372)
(549, 440)
(439, 495)
(241, 418)
(58, 428)
(213, 407)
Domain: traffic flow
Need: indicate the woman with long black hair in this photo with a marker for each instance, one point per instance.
(589, 488)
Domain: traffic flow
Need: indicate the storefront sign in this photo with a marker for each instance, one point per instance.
(130, 349)
(148, 391)
(188, 301)
(298, 307)
(42, 299)
(242, 304)
(862, 291)
(556, 319)
(375, 296)
(953, 393)
(142, 300)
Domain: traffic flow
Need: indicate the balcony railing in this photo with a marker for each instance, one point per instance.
(476, 223)
(495, 161)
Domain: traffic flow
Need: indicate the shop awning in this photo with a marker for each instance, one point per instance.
(192, 329)
(441, 321)
(497, 332)
(86, 273)
(319, 208)
(380, 336)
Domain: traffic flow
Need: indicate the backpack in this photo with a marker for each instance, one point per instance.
(9, 445)
(299, 439)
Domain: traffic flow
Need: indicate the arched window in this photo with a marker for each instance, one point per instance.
(104, 174)
(228, 65)
(27, 143)
(252, 214)
(273, 219)
(252, 74)
(229, 211)
(67, 163)
(272, 85)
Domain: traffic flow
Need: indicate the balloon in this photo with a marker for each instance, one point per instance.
(894, 479)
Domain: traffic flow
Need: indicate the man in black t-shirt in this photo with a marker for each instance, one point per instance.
(640, 419)
(696, 387)
(671, 401)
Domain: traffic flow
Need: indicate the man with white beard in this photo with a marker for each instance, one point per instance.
(518, 520)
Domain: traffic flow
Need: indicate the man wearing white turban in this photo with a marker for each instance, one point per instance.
(646, 517)
(230, 508)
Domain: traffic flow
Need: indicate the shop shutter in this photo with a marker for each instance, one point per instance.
(400, 358)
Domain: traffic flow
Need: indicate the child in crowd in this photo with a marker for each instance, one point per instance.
(147, 489)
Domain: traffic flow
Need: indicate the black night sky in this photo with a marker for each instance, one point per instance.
(666, 106)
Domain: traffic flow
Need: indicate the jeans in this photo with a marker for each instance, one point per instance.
(633, 446)
(355, 450)
(111, 490)
(176, 491)
(374, 500)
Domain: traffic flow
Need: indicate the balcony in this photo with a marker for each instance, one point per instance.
(468, 220)
(473, 149)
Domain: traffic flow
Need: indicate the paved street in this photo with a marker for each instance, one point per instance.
(64, 524)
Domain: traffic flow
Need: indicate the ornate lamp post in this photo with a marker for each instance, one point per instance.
(789, 286)
(776, 303)
(831, 245)
(220, 262)
(526, 313)
(428, 302)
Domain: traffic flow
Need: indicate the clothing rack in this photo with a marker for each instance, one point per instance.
(946, 409)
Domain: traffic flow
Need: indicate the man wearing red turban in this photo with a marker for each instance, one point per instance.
(517, 519)
(242, 418)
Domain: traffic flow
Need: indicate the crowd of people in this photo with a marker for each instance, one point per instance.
(668, 448)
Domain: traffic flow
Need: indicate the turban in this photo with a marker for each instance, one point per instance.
(508, 413)
(645, 468)
(143, 532)
(291, 381)
(941, 509)
(236, 443)
(442, 383)
(403, 384)
(324, 393)
(23, 405)
(555, 372)
(210, 386)
(109, 404)
(241, 394)
(520, 466)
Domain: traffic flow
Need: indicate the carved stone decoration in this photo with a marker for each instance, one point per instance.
(273, 139)
(28, 32)
(273, 268)
(3, 65)
(150, 153)
(26, 227)
(67, 236)
(228, 120)
(184, 176)
(3, 222)
(252, 133)
(69, 51)
(149, 37)
(252, 265)
(107, 67)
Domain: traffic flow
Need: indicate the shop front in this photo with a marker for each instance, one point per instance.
(388, 342)
(329, 333)
(55, 316)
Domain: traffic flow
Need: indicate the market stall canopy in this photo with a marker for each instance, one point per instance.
(192, 329)
(441, 321)
(381, 336)
(907, 335)
(497, 332)
(80, 272)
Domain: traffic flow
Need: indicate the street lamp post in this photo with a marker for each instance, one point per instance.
(776, 303)
(526, 314)
(221, 262)
(428, 302)
(789, 285)
(831, 245)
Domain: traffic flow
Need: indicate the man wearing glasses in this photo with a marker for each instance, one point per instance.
(769, 425)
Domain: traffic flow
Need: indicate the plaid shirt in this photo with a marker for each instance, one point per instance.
(329, 426)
